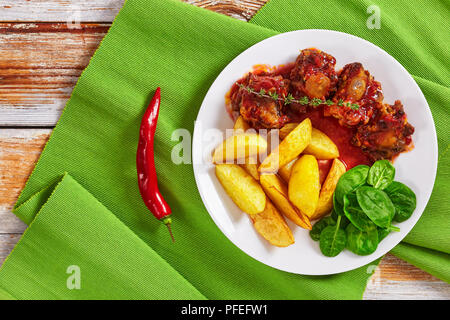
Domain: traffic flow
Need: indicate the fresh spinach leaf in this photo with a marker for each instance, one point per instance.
(350, 181)
(334, 214)
(382, 233)
(381, 174)
(319, 226)
(355, 214)
(376, 205)
(361, 242)
(344, 220)
(394, 228)
(404, 200)
(337, 207)
(332, 240)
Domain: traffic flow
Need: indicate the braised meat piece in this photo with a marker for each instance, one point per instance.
(235, 94)
(271, 97)
(313, 76)
(387, 135)
(358, 88)
(262, 107)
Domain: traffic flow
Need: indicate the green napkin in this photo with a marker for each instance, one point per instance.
(93, 218)
(110, 267)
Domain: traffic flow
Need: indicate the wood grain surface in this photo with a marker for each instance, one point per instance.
(44, 47)
(106, 10)
(39, 66)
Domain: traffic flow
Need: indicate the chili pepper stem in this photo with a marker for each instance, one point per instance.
(168, 221)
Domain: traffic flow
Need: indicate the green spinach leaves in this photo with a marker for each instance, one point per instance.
(319, 226)
(365, 203)
(350, 181)
(362, 242)
(381, 174)
(404, 200)
(376, 205)
(333, 239)
(355, 214)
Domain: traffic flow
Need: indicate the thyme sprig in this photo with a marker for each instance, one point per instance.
(290, 98)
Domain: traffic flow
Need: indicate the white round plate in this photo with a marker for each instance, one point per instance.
(417, 168)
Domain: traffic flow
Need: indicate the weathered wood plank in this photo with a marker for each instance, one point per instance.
(39, 66)
(7, 243)
(398, 280)
(105, 10)
(406, 290)
(9, 223)
(59, 10)
(19, 151)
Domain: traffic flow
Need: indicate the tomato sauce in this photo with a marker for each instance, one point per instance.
(284, 70)
(350, 155)
(324, 168)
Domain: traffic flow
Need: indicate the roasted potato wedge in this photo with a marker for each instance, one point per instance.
(251, 164)
(277, 191)
(286, 129)
(251, 168)
(325, 203)
(272, 226)
(241, 124)
(245, 191)
(288, 149)
(304, 185)
(239, 146)
(285, 171)
(320, 146)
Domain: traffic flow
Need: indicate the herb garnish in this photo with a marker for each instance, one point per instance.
(303, 101)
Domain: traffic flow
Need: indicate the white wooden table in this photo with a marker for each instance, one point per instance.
(42, 54)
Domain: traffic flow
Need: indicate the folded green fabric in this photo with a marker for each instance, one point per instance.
(113, 263)
(94, 217)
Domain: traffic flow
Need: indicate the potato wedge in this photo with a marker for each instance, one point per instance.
(288, 149)
(239, 146)
(321, 146)
(251, 168)
(251, 164)
(286, 129)
(325, 203)
(277, 191)
(285, 171)
(272, 226)
(241, 124)
(304, 186)
(245, 191)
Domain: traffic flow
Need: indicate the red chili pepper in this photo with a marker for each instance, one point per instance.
(145, 163)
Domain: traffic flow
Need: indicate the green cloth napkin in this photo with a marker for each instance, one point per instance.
(93, 218)
(113, 262)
